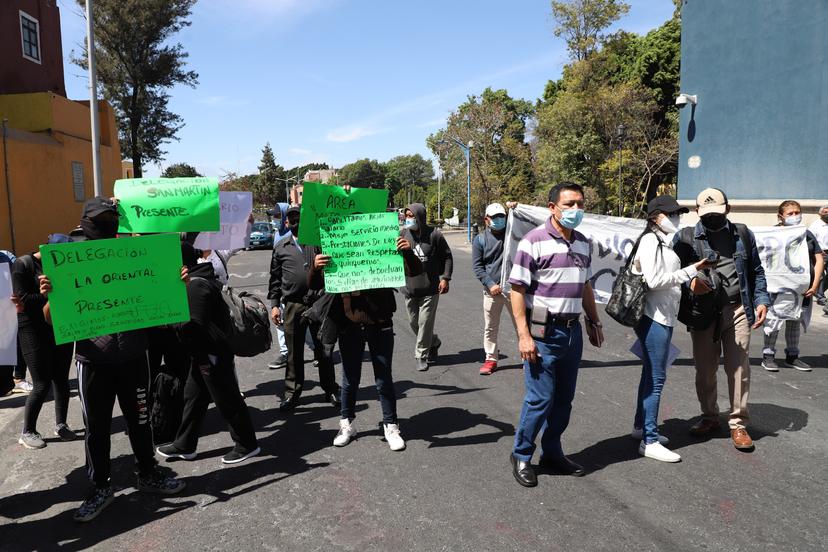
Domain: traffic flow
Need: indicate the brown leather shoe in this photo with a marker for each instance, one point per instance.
(704, 427)
(741, 439)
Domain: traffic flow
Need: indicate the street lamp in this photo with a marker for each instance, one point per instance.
(467, 152)
(620, 133)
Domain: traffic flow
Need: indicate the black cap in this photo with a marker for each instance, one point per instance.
(98, 205)
(292, 209)
(665, 204)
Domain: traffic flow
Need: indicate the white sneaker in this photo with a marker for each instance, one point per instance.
(22, 386)
(638, 434)
(392, 436)
(347, 430)
(656, 451)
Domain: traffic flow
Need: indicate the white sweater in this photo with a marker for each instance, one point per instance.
(662, 271)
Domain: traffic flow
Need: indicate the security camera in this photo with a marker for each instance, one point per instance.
(684, 99)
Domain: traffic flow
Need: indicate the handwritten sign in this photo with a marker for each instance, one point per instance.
(148, 205)
(8, 320)
(321, 200)
(363, 250)
(108, 286)
(235, 213)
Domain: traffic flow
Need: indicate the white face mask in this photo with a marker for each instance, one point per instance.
(669, 225)
(794, 220)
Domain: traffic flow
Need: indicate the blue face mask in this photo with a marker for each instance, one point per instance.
(498, 223)
(571, 218)
(409, 222)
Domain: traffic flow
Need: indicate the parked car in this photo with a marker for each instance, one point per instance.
(261, 235)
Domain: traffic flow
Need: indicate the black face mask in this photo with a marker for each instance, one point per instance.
(99, 230)
(714, 222)
(824, 218)
(294, 229)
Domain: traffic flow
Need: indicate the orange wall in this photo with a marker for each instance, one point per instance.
(40, 175)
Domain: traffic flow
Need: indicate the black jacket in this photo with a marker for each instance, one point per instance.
(289, 270)
(208, 328)
(429, 247)
(24, 273)
(115, 348)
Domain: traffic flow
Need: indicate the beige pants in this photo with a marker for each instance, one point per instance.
(492, 309)
(422, 311)
(734, 344)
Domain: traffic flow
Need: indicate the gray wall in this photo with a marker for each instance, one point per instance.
(760, 70)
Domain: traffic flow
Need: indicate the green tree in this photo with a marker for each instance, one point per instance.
(363, 173)
(138, 62)
(180, 170)
(408, 178)
(270, 183)
(581, 22)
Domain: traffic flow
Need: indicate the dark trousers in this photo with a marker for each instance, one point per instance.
(99, 385)
(20, 368)
(214, 380)
(296, 326)
(380, 340)
(49, 367)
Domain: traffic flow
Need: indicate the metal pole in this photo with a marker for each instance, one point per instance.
(619, 178)
(439, 180)
(287, 190)
(93, 100)
(468, 191)
(8, 186)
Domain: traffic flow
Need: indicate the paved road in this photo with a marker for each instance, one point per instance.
(452, 488)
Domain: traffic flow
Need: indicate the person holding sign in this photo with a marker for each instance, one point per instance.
(790, 214)
(48, 363)
(109, 367)
(424, 286)
(290, 266)
(550, 290)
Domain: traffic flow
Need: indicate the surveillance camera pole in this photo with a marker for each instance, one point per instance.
(467, 153)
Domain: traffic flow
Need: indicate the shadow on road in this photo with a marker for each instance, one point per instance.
(437, 425)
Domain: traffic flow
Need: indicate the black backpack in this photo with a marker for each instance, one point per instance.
(249, 323)
(167, 407)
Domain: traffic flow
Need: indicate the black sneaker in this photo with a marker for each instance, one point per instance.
(795, 362)
(239, 454)
(769, 363)
(280, 362)
(158, 483)
(171, 451)
(65, 433)
(98, 499)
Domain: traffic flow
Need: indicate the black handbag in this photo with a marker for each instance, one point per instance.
(699, 312)
(626, 304)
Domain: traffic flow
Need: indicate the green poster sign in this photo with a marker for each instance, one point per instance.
(321, 200)
(107, 286)
(149, 205)
(363, 250)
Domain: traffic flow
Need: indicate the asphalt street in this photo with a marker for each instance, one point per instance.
(452, 488)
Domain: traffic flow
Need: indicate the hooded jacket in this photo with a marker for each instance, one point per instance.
(282, 231)
(429, 247)
(209, 325)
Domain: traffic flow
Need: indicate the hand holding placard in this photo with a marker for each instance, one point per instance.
(148, 205)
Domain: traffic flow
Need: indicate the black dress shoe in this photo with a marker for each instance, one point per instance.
(562, 466)
(523, 472)
(288, 403)
(333, 398)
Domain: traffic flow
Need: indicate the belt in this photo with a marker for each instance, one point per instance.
(562, 322)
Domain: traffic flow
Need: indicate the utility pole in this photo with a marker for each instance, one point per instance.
(620, 131)
(93, 100)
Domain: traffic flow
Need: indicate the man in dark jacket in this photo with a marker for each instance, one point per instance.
(487, 261)
(109, 367)
(289, 268)
(423, 287)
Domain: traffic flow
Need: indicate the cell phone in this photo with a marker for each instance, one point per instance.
(537, 322)
(713, 258)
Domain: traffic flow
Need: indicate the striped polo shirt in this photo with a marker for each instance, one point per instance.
(553, 270)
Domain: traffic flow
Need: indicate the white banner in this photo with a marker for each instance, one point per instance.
(783, 252)
(8, 320)
(236, 208)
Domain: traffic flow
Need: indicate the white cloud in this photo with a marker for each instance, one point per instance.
(269, 9)
(299, 151)
(211, 100)
(351, 133)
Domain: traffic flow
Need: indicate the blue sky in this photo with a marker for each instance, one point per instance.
(340, 80)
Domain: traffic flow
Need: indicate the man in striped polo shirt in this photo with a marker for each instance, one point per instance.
(549, 291)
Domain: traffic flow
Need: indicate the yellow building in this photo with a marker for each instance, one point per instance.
(46, 165)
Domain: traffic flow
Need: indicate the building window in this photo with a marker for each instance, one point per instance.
(78, 185)
(30, 35)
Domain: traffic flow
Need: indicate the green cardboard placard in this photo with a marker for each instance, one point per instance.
(363, 250)
(148, 205)
(321, 200)
(101, 287)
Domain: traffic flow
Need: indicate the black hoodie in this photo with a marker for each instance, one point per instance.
(209, 324)
(429, 247)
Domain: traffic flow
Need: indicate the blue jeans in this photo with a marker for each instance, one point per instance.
(380, 340)
(655, 344)
(550, 388)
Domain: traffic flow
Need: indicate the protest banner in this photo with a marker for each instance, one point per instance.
(148, 205)
(108, 286)
(8, 319)
(235, 208)
(321, 200)
(783, 252)
(363, 250)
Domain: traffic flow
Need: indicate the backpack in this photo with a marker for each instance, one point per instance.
(167, 407)
(249, 333)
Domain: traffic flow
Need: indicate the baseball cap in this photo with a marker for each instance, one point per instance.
(59, 238)
(495, 209)
(293, 209)
(711, 200)
(98, 205)
(665, 204)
